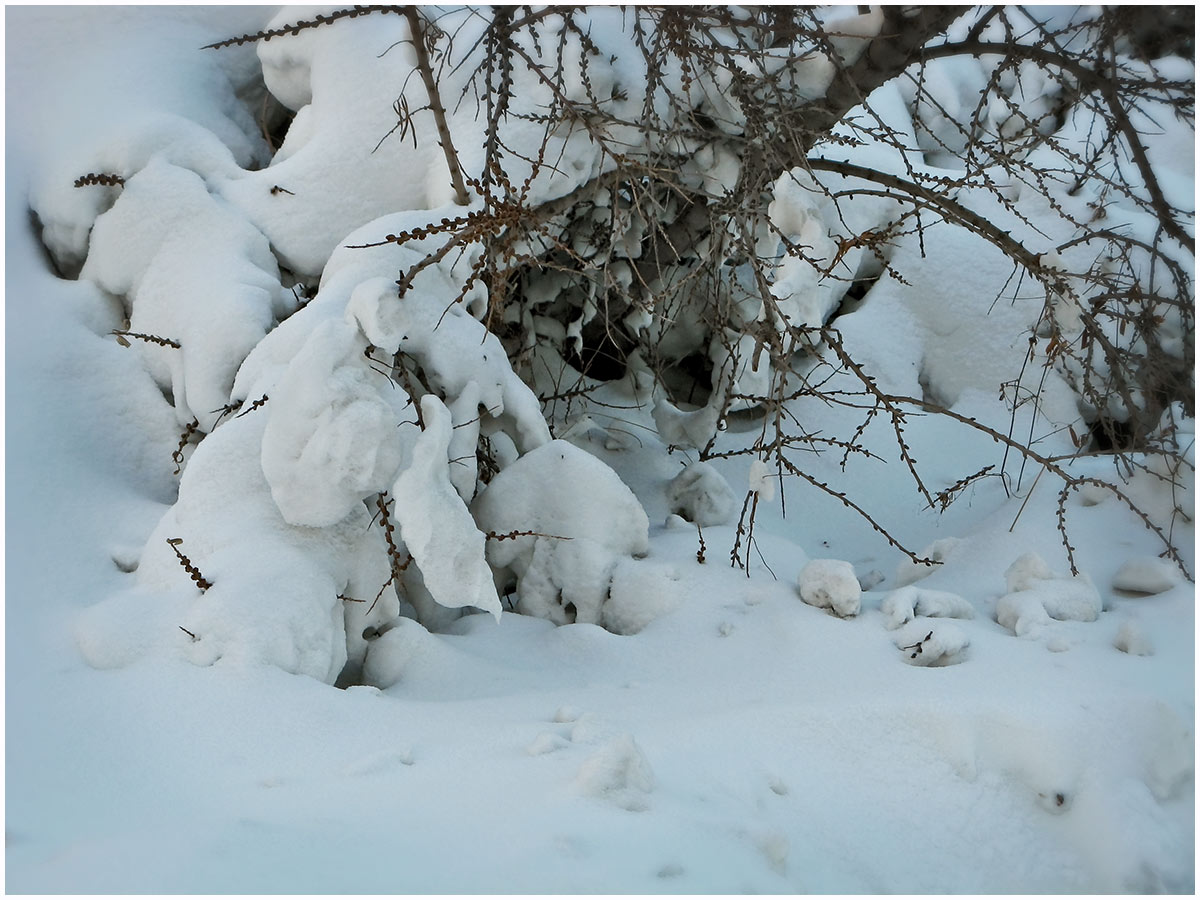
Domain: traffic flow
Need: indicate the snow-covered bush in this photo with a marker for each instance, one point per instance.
(482, 223)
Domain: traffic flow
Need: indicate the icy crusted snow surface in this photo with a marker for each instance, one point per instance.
(729, 737)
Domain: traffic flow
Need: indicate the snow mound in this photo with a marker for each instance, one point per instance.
(1025, 572)
(341, 82)
(1037, 595)
(68, 214)
(939, 551)
(393, 652)
(619, 773)
(1022, 613)
(1146, 575)
(904, 605)
(830, 584)
(581, 521)
(639, 593)
(546, 742)
(275, 594)
(702, 495)
(330, 440)
(192, 272)
(1132, 639)
(926, 644)
(1066, 599)
(125, 628)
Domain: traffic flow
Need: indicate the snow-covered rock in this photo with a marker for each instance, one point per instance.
(1069, 599)
(1022, 613)
(830, 584)
(1036, 594)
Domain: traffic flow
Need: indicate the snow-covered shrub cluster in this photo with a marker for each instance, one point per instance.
(481, 224)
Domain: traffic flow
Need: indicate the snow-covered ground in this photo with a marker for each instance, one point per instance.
(993, 727)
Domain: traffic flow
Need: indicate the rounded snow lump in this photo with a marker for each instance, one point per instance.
(700, 494)
(830, 584)
(566, 519)
(1146, 575)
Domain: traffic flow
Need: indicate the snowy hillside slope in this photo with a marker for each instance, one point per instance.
(993, 725)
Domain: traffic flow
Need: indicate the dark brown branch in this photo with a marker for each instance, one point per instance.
(1107, 87)
(435, 104)
(949, 208)
(301, 25)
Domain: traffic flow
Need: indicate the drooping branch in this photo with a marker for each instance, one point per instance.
(1109, 90)
(301, 25)
(901, 42)
(945, 206)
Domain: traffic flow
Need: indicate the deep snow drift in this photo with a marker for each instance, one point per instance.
(834, 719)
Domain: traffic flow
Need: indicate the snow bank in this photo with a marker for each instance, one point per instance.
(583, 520)
(1131, 639)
